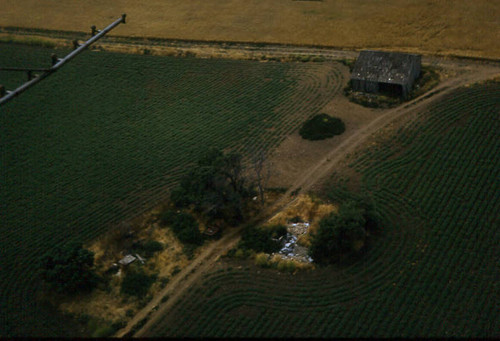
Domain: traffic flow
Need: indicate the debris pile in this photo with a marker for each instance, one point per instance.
(290, 249)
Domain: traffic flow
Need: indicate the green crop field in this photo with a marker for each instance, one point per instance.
(433, 271)
(106, 136)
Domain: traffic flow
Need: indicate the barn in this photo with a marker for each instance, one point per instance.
(385, 72)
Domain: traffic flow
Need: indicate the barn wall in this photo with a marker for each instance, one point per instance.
(364, 86)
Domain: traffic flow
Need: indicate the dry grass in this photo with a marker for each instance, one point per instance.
(111, 305)
(306, 209)
(460, 27)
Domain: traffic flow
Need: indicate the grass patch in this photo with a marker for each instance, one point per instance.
(30, 41)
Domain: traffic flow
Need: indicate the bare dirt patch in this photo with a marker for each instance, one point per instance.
(296, 154)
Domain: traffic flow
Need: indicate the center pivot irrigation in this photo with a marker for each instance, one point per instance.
(6, 95)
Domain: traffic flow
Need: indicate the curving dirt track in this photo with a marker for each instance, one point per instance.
(467, 73)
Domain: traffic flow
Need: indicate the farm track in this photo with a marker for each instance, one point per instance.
(312, 176)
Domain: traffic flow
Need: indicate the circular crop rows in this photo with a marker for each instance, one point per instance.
(431, 272)
(107, 136)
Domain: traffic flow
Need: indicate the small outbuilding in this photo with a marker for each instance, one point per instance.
(385, 72)
(128, 259)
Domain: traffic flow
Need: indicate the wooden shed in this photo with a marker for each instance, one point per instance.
(385, 72)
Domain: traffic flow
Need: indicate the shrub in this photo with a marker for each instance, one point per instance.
(286, 266)
(343, 233)
(152, 246)
(262, 259)
(176, 270)
(321, 127)
(136, 283)
(261, 239)
(104, 331)
(186, 229)
(167, 217)
(117, 325)
(69, 269)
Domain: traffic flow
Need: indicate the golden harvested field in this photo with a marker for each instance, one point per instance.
(459, 27)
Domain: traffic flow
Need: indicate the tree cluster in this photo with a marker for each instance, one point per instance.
(215, 187)
(69, 269)
(343, 233)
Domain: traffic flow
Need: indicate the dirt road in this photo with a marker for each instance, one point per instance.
(469, 74)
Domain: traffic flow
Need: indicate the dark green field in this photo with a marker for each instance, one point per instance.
(433, 271)
(106, 136)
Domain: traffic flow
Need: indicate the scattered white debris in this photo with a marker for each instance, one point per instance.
(142, 260)
(290, 249)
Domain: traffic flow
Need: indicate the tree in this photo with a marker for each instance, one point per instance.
(340, 234)
(215, 187)
(262, 172)
(136, 283)
(186, 229)
(69, 269)
(321, 127)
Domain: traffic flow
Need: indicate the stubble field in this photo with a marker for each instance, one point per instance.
(449, 27)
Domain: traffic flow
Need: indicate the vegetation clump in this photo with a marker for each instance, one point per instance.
(344, 233)
(149, 247)
(186, 229)
(215, 188)
(69, 269)
(137, 283)
(258, 240)
(321, 127)
(262, 239)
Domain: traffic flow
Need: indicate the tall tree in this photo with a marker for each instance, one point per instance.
(69, 269)
(344, 232)
(214, 187)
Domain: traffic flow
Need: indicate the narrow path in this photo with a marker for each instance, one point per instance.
(192, 273)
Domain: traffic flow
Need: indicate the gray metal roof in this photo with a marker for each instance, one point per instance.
(127, 260)
(384, 67)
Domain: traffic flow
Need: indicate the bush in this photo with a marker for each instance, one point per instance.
(261, 239)
(262, 259)
(167, 217)
(152, 246)
(321, 127)
(69, 269)
(186, 229)
(104, 331)
(136, 283)
(343, 233)
(286, 266)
